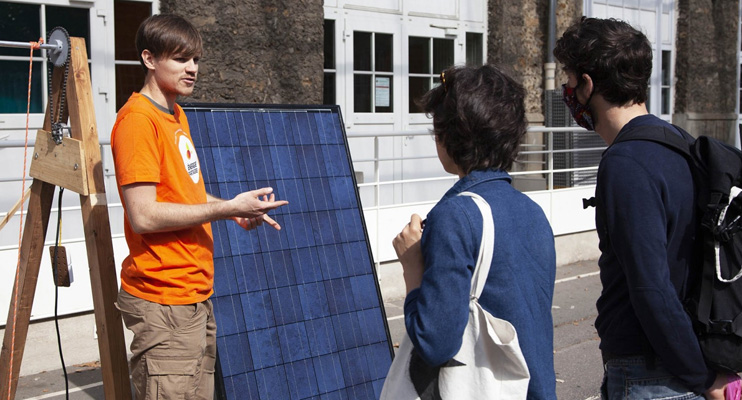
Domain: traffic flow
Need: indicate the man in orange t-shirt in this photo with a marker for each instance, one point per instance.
(167, 279)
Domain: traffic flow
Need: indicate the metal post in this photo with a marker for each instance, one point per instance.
(377, 199)
(55, 47)
(551, 159)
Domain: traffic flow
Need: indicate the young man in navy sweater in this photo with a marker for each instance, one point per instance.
(645, 218)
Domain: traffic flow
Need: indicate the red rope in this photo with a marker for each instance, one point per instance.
(34, 46)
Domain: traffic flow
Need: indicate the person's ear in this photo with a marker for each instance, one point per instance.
(587, 86)
(149, 59)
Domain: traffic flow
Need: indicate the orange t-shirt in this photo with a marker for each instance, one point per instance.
(151, 145)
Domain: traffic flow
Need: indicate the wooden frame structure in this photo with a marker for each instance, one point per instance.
(76, 165)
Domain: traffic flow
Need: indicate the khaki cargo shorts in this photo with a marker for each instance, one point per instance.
(174, 348)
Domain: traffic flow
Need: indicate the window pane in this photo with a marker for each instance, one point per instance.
(383, 92)
(20, 23)
(75, 20)
(383, 47)
(361, 51)
(665, 100)
(14, 87)
(329, 44)
(362, 93)
(128, 15)
(442, 54)
(649, 96)
(474, 49)
(666, 68)
(328, 95)
(129, 79)
(419, 55)
(418, 87)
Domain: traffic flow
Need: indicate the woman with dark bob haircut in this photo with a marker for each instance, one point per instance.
(478, 123)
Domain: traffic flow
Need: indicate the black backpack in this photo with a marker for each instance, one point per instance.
(715, 302)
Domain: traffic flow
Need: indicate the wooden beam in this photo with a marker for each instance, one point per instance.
(15, 208)
(111, 344)
(31, 251)
(19, 314)
(59, 164)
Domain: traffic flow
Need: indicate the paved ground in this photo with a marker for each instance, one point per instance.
(576, 355)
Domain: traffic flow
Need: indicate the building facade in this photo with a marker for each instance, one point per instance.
(311, 52)
(373, 59)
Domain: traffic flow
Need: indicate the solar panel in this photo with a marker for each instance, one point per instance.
(299, 312)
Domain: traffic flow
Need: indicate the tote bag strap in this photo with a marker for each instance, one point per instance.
(486, 248)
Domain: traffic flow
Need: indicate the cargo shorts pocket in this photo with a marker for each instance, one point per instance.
(209, 364)
(168, 378)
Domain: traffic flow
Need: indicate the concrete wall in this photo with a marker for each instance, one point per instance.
(567, 13)
(257, 51)
(517, 38)
(706, 67)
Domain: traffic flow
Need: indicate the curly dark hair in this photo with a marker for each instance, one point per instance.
(479, 116)
(617, 57)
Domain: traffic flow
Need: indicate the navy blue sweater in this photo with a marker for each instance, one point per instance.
(645, 219)
(519, 287)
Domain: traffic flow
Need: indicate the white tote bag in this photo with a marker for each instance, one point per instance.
(489, 365)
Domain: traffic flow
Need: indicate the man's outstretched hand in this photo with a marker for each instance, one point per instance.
(250, 208)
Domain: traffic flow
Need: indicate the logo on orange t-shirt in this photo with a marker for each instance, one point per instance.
(190, 159)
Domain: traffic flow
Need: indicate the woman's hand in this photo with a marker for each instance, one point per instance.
(407, 246)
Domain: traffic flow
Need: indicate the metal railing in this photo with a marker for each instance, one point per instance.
(546, 150)
(536, 160)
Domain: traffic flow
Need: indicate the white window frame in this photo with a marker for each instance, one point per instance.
(433, 29)
(401, 21)
(389, 26)
(432, 75)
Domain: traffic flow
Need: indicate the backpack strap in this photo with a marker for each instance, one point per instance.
(680, 143)
(486, 247)
(660, 134)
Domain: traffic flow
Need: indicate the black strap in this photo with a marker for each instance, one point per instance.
(659, 134)
(680, 143)
(707, 278)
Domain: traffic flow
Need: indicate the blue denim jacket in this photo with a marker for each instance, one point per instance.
(520, 285)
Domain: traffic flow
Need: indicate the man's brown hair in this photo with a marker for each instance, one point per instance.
(167, 35)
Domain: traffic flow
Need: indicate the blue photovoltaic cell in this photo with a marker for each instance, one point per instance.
(298, 311)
